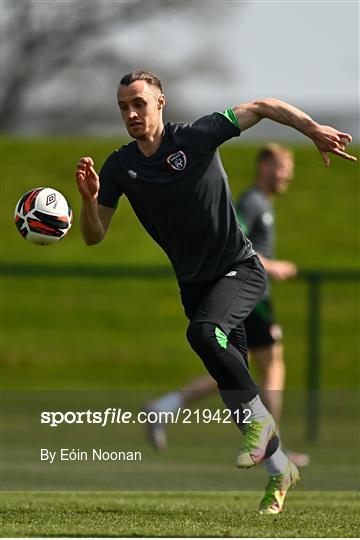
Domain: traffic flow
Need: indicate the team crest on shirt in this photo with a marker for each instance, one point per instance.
(267, 218)
(177, 161)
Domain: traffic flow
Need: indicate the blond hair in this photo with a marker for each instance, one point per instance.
(273, 151)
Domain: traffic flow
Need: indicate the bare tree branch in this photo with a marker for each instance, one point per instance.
(41, 41)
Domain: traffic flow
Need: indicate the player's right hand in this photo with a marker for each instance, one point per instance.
(86, 178)
(282, 270)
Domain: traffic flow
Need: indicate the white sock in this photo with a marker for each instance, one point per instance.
(257, 408)
(169, 402)
(277, 463)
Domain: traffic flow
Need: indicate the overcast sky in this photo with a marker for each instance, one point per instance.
(311, 46)
(305, 52)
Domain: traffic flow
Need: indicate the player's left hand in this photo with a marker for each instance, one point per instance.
(329, 140)
(281, 270)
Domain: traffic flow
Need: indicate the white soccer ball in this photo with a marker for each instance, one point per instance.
(43, 216)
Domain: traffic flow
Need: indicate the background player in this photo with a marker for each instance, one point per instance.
(273, 174)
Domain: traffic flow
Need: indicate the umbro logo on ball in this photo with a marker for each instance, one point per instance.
(50, 199)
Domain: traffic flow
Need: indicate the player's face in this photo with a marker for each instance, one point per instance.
(140, 104)
(280, 172)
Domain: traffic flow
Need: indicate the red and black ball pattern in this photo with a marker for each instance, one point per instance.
(30, 219)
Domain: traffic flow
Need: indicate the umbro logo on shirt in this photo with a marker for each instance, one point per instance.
(132, 174)
(231, 274)
(177, 161)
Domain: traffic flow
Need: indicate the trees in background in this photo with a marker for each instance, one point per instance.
(61, 60)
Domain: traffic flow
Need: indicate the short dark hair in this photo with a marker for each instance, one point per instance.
(147, 76)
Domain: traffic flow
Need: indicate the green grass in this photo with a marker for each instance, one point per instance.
(88, 333)
(61, 333)
(198, 457)
(317, 219)
(308, 514)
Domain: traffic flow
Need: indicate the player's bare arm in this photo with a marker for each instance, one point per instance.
(326, 138)
(94, 218)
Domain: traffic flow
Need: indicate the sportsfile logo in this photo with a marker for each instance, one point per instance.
(112, 415)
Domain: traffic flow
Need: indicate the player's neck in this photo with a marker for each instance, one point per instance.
(151, 143)
(264, 187)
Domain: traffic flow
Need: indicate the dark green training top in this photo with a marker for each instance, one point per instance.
(256, 217)
(181, 196)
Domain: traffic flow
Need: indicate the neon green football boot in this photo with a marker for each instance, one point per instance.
(275, 491)
(257, 434)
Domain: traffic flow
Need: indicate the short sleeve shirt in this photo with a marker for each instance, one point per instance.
(181, 196)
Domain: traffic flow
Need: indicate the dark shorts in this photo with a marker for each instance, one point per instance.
(228, 300)
(260, 326)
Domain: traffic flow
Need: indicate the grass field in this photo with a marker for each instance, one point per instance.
(83, 333)
(103, 331)
(309, 514)
(129, 333)
(317, 219)
(200, 457)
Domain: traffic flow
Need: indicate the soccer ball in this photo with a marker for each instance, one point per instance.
(43, 216)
